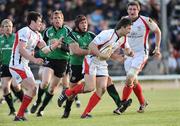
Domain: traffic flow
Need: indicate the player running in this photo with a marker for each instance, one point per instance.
(26, 40)
(95, 66)
(138, 41)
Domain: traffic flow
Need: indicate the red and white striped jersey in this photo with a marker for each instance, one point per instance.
(138, 37)
(31, 38)
(110, 37)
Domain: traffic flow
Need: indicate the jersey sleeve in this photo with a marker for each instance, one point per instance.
(151, 24)
(23, 35)
(102, 38)
(40, 37)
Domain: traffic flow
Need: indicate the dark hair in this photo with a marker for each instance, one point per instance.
(78, 19)
(32, 16)
(134, 3)
(123, 22)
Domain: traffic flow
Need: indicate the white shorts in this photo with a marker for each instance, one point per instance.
(21, 72)
(93, 66)
(137, 62)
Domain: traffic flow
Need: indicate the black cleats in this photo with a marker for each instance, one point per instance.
(17, 118)
(65, 115)
(62, 98)
(86, 116)
(12, 112)
(78, 104)
(123, 107)
(39, 114)
(34, 107)
(142, 107)
(117, 111)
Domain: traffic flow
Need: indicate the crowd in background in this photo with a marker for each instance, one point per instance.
(102, 14)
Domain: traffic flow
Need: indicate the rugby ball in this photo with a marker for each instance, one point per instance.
(107, 50)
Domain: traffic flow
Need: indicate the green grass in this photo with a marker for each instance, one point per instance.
(163, 110)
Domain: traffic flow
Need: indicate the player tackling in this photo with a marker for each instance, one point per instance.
(95, 65)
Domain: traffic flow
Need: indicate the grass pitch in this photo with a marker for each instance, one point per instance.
(163, 110)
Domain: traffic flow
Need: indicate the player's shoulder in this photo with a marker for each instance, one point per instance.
(107, 32)
(146, 18)
(49, 28)
(24, 30)
(67, 28)
(92, 34)
(105, 35)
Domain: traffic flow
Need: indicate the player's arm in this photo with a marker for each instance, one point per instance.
(55, 43)
(157, 52)
(94, 49)
(26, 55)
(154, 27)
(128, 52)
(100, 39)
(75, 49)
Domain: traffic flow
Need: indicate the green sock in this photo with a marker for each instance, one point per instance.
(114, 95)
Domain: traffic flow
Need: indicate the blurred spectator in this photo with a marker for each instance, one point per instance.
(102, 14)
(2, 11)
(80, 8)
(155, 9)
(172, 64)
(67, 11)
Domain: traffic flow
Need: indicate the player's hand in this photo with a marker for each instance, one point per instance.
(128, 52)
(75, 47)
(39, 61)
(55, 43)
(157, 53)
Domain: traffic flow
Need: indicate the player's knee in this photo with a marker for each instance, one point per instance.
(129, 81)
(34, 90)
(90, 89)
(17, 88)
(6, 90)
(103, 90)
(131, 75)
(44, 84)
(51, 90)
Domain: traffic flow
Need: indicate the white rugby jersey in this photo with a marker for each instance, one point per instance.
(31, 38)
(138, 37)
(110, 37)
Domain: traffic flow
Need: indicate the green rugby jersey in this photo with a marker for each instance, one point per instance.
(52, 33)
(6, 44)
(83, 39)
